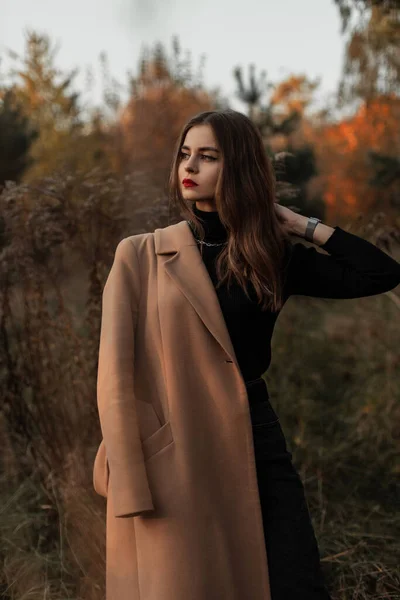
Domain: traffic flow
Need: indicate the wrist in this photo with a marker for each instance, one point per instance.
(299, 225)
(321, 232)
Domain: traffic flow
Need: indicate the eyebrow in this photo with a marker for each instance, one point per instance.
(202, 148)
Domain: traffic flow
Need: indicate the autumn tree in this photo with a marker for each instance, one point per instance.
(45, 97)
(348, 150)
(371, 78)
(164, 95)
(372, 65)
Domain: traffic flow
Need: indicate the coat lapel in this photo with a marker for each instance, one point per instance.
(186, 268)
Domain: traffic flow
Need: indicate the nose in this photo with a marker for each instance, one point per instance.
(190, 166)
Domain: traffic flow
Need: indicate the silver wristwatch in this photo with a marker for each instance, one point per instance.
(311, 225)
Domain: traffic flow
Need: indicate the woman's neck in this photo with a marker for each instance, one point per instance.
(213, 227)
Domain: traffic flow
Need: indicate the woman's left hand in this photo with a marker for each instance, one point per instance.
(287, 217)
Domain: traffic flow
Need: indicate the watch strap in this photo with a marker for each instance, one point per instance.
(311, 225)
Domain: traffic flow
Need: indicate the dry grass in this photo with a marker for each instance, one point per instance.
(333, 380)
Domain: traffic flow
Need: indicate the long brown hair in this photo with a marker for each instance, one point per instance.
(245, 194)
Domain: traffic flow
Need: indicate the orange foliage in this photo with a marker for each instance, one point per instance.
(342, 154)
(150, 124)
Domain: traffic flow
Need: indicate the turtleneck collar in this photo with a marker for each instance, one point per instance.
(213, 227)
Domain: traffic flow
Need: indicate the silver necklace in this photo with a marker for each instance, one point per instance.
(209, 243)
(203, 242)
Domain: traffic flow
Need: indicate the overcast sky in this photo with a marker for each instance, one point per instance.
(282, 37)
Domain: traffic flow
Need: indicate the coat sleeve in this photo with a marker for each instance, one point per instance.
(353, 268)
(128, 482)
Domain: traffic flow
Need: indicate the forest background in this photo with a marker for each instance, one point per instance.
(73, 182)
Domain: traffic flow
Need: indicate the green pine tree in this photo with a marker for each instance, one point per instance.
(16, 138)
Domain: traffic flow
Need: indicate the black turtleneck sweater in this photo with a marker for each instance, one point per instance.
(353, 268)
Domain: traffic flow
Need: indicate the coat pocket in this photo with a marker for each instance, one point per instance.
(151, 446)
(101, 472)
(157, 441)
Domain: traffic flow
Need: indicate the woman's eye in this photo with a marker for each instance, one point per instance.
(183, 154)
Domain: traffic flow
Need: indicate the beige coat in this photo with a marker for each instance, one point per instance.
(177, 435)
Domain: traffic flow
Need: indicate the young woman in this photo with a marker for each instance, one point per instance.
(203, 501)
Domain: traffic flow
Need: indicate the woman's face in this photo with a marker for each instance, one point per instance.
(200, 161)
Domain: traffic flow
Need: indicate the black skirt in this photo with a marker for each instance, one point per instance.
(292, 550)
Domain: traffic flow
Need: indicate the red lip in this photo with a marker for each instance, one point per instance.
(189, 183)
